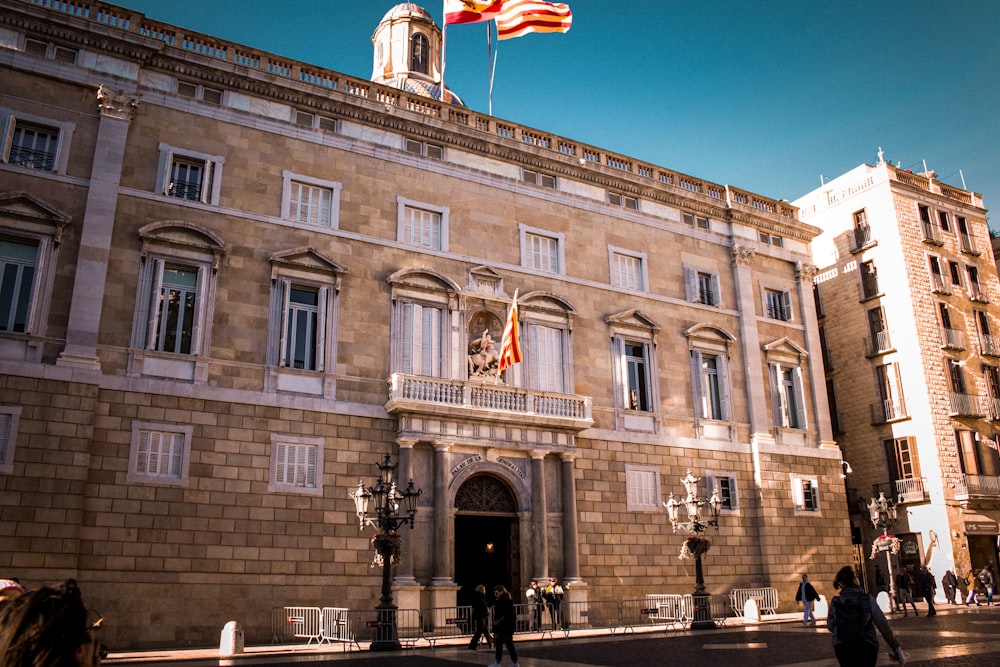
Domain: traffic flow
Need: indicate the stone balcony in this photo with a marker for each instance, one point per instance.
(482, 400)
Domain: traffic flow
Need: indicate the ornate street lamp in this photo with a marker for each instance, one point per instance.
(696, 545)
(882, 512)
(385, 518)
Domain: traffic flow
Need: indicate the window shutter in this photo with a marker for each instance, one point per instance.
(163, 169)
(281, 464)
(786, 305)
(5, 443)
(283, 287)
(7, 134)
(690, 283)
(620, 370)
(800, 399)
(311, 455)
(723, 373)
(176, 454)
(406, 335)
(154, 296)
(208, 183)
(777, 396)
(321, 328)
(716, 290)
(797, 493)
(142, 455)
(196, 325)
(698, 385)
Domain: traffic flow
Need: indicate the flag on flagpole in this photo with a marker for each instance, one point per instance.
(470, 11)
(519, 17)
(510, 344)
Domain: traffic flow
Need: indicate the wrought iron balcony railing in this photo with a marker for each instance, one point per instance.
(965, 405)
(888, 410)
(910, 490)
(977, 485)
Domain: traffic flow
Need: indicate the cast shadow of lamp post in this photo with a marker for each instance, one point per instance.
(386, 518)
(882, 512)
(696, 545)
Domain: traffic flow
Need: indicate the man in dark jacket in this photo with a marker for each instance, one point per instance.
(480, 619)
(504, 623)
(807, 595)
(927, 588)
(855, 641)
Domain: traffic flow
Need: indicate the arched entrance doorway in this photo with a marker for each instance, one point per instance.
(487, 548)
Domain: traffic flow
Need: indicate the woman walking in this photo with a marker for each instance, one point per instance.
(852, 618)
(503, 626)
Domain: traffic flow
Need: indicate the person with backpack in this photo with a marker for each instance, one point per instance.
(985, 577)
(853, 617)
(807, 595)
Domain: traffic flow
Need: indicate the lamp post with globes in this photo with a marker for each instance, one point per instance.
(882, 512)
(697, 545)
(386, 519)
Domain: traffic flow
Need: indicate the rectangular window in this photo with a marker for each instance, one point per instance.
(945, 221)
(637, 372)
(788, 396)
(295, 465)
(544, 357)
(160, 454)
(189, 175)
(702, 287)
(698, 221)
(421, 334)
(623, 200)
(956, 273)
(9, 418)
(772, 239)
(310, 204)
(627, 271)
(175, 310)
(425, 149)
(642, 486)
(33, 146)
(422, 227)
(542, 252)
(778, 305)
(901, 458)
(537, 178)
(710, 384)
(810, 495)
(869, 280)
(976, 292)
(301, 328)
(18, 264)
(888, 388)
(725, 486)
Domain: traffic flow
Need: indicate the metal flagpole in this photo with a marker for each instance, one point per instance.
(444, 41)
(492, 59)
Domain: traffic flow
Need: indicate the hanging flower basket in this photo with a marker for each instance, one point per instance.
(694, 546)
(390, 545)
(882, 543)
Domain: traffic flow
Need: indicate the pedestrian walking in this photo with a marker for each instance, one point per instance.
(853, 618)
(973, 582)
(806, 594)
(504, 623)
(949, 582)
(480, 619)
(987, 581)
(903, 595)
(927, 589)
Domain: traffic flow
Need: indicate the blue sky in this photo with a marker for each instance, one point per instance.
(766, 95)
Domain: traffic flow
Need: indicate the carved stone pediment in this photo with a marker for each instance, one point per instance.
(26, 212)
(486, 282)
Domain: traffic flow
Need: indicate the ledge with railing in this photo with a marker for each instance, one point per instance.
(964, 405)
(989, 345)
(861, 238)
(910, 490)
(953, 339)
(967, 244)
(485, 400)
(877, 343)
(931, 233)
(977, 485)
(888, 410)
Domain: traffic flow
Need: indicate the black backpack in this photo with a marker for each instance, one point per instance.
(854, 615)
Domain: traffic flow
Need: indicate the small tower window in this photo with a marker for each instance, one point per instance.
(419, 54)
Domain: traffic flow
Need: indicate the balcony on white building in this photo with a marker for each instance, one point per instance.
(910, 490)
(861, 238)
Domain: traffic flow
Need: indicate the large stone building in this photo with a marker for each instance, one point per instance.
(233, 282)
(909, 312)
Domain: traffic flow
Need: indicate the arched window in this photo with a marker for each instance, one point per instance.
(420, 53)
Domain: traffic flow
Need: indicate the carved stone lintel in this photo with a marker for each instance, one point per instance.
(742, 255)
(805, 272)
(118, 104)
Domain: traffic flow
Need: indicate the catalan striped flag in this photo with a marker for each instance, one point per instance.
(510, 344)
(470, 11)
(519, 17)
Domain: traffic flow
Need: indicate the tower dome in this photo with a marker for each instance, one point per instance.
(408, 53)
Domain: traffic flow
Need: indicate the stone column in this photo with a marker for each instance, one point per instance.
(539, 518)
(571, 548)
(117, 108)
(746, 298)
(443, 589)
(805, 273)
(406, 586)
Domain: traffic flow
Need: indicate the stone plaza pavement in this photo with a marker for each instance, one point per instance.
(957, 636)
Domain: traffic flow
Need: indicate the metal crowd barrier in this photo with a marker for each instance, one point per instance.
(718, 605)
(297, 622)
(766, 597)
(446, 623)
(670, 609)
(335, 626)
(368, 625)
(591, 615)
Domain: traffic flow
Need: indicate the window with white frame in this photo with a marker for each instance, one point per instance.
(34, 142)
(805, 493)
(159, 453)
(778, 304)
(541, 250)
(702, 286)
(633, 352)
(628, 269)
(538, 178)
(189, 175)
(304, 287)
(311, 202)
(544, 357)
(422, 225)
(421, 327)
(296, 465)
(642, 488)
(725, 485)
(18, 263)
(788, 396)
(9, 419)
(174, 291)
(710, 380)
